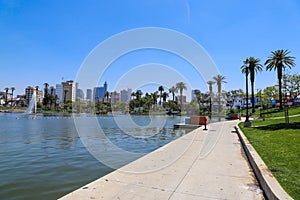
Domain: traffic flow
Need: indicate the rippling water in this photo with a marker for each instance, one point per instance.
(44, 158)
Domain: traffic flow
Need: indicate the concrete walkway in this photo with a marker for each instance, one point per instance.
(200, 165)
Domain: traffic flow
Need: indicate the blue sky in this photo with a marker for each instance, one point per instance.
(43, 41)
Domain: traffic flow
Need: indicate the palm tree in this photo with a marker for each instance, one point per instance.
(254, 66)
(160, 89)
(6, 92)
(164, 96)
(279, 60)
(139, 94)
(12, 93)
(210, 84)
(133, 95)
(245, 70)
(106, 95)
(219, 79)
(46, 89)
(52, 90)
(173, 90)
(154, 96)
(65, 96)
(181, 86)
(51, 97)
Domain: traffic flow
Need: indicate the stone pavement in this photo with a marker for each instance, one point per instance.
(200, 165)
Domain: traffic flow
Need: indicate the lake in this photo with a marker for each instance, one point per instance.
(44, 157)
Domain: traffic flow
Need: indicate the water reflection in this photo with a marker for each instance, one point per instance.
(45, 153)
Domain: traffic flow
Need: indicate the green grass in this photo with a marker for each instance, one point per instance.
(279, 113)
(278, 144)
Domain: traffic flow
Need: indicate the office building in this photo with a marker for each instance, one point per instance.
(99, 92)
(125, 95)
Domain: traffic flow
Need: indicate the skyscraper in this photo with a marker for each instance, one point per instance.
(59, 93)
(99, 92)
(89, 94)
(125, 95)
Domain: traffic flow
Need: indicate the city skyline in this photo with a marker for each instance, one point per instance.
(51, 48)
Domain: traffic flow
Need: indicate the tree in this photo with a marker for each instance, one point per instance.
(154, 96)
(197, 94)
(51, 97)
(210, 84)
(219, 79)
(173, 90)
(164, 96)
(12, 93)
(160, 89)
(46, 89)
(65, 96)
(270, 92)
(138, 94)
(6, 92)
(279, 60)
(291, 84)
(245, 69)
(181, 86)
(52, 90)
(46, 98)
(254, 66)
(133, 95)
(107, 96)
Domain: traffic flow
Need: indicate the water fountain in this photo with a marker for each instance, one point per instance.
(32, 104)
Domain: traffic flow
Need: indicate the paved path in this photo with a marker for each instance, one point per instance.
(199, 165)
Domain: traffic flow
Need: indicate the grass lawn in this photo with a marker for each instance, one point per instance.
(278, 145)
(275, 112)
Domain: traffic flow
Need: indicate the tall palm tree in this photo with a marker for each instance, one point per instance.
(210, 84)
(160, 89)
(254, 66)
(107, 95)
(51, 98)
(65, 96)
(46, 89)
(279, 60)
(245, 70)
(164, 96)
(139, 94)
(173, 90)
(6, 92)
(181, 86)
(133, 95)
(154, 96)
(52, 90)
(219, 79)
(12, 93)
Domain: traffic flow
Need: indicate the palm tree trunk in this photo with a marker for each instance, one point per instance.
(247, 96)
(279, 74)
(280, 95)
(12, 96)
(252, 97)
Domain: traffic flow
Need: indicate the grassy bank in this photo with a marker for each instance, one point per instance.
(278, 144)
